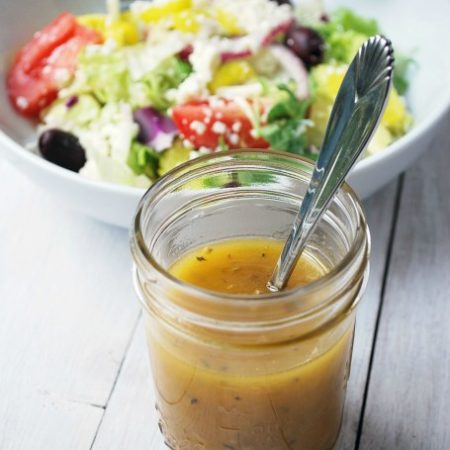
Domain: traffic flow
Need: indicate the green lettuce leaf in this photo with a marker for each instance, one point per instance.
(81, 114)
(285, 135)
(344, 33)
(343, 46)
(347, 20)
(286, 125)
(167, 75)
(105, 75)
(143, 160)
(401, 67)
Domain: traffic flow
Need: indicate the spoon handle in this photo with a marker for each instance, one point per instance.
(357, 110)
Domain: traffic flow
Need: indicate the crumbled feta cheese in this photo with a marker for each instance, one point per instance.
(112, 134)
(90, 171)
(205, 59)
(142, 59)
(245, 90)
(139, 6)
(234, 138)
(61, 76)
(21, 102)
(236, 127)
(207, 111)
(219, 127)
(258, 18)
(198, 127)
(216, 102)
(200, 152)
(105, 49)
(310, 11)
(162, 141)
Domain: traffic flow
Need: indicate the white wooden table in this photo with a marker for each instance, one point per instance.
(73, 364)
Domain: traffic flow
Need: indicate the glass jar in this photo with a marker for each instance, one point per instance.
(265, 372)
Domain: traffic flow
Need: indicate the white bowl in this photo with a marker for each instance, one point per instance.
(411, 25)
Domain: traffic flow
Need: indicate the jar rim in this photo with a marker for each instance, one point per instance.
(147, 260)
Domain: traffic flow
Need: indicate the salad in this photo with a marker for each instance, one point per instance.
(128, 95)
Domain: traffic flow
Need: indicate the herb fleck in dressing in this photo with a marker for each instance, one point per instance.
(239, 267)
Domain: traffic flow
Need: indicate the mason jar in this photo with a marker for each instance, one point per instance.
(247, 372)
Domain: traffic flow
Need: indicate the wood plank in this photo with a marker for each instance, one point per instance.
(380, 215)
(408, 405)
(67, 311)
(130, 419)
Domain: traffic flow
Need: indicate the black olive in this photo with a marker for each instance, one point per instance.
(283, 2)
(63, 149)
(232, 184)
(306, 43)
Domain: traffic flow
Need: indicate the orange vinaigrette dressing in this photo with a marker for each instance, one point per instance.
(240, 267)
(209, 401)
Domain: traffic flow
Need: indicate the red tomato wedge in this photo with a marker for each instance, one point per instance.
(46, 62)
(208, 124)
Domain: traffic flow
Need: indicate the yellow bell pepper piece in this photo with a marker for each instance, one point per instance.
(174, 156)
(380, 140)
(127, 16)
(228, 22)
(328, 79)
(187, 21)
(396, 117)
(231, 73)
(395, 122)
(155, 13)
(124, 33)
(93, 21)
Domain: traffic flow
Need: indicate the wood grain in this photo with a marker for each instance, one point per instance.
(381, 215)
(130, 419)
(67, 314)
(408, 404)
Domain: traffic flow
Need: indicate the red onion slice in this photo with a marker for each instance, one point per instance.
(294, 67)
(281, 28)
(230, 56)
(267, 40)
(155, 129)
(186, 52)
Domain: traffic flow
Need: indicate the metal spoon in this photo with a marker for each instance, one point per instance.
(359, 105)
